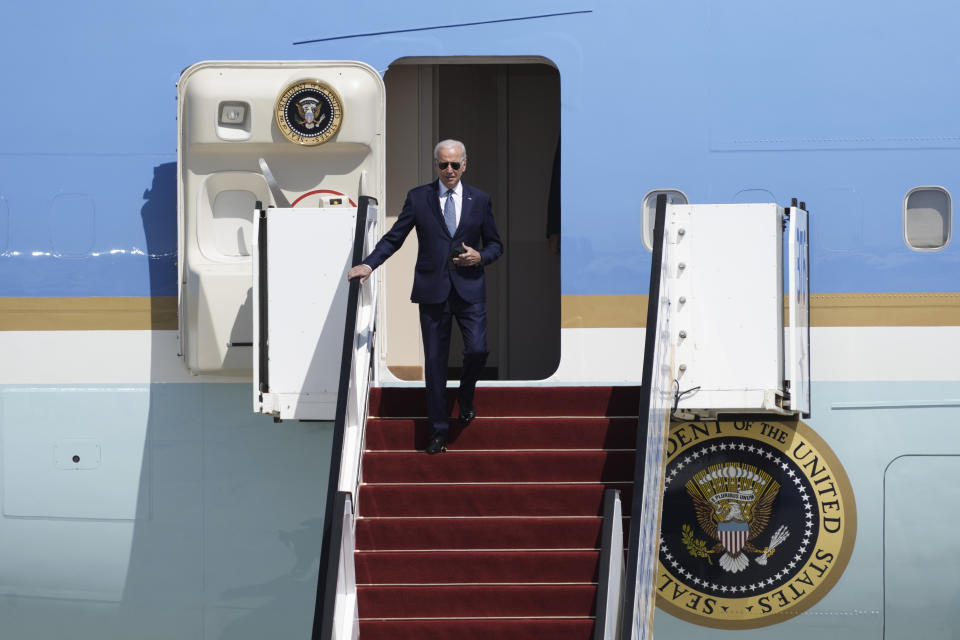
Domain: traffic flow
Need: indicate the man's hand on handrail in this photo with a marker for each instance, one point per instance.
(361, 271)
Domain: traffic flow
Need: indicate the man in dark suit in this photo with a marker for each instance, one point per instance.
(457, 238)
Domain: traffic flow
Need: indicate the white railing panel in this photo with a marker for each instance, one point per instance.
(615, 574)
(346, 620)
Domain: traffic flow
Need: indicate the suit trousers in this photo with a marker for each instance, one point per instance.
(435, 323)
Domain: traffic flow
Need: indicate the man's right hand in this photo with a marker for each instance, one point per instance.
(361, 271)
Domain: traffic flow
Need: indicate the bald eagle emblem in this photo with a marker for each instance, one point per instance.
(733, 502)
(310, 114)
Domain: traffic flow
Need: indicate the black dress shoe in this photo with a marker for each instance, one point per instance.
(467, 415)
(437, 444)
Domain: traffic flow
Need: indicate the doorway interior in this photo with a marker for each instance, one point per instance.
(507, 113)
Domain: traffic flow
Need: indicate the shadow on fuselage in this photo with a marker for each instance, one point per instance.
(228, 526)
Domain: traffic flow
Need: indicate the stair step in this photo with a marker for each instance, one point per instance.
(474, 601)
(515, 401)
(487, 499)
(498, 466)
(448, 534)
(407, 434)
(576, 629)
(439, 567)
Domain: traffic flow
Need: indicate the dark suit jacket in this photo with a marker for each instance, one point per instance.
(435, 274)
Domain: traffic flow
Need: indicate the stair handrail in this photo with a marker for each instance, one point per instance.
(609, 606)
(335, 610)
(650, 458)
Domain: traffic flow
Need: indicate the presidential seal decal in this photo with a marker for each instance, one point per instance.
(758, 522)
(309, 112)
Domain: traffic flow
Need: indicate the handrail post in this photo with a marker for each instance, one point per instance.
(264, 317)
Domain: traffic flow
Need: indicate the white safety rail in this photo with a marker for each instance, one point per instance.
(658, 427)
(359, 394)
(346, 620)
(657, 393)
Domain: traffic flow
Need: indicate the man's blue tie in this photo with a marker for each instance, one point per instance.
(450, 212)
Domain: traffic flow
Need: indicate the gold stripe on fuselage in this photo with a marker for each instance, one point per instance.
(88, 314)
(826, 310)
(586, 312)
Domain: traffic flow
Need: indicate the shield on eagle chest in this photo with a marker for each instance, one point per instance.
(733, 535)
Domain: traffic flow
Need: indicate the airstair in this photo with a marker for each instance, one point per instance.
(542, 520)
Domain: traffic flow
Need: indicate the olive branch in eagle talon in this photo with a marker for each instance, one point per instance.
(697, 548)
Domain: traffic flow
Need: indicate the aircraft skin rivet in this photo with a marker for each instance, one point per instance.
(683, 334)
(682, 265)
(683, 367)
(681, 231)
(683, 300)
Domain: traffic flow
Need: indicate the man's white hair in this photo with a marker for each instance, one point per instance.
(450, 144)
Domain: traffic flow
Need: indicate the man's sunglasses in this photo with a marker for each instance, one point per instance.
(444, 165)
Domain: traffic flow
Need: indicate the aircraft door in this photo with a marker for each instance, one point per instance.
(287, 135)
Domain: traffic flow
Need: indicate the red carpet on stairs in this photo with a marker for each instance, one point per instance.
(499, 537)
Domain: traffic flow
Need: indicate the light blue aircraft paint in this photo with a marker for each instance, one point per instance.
(209, 521)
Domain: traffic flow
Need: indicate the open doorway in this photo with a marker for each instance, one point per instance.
(507, 113)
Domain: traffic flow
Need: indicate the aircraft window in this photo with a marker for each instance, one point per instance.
(674, 196)
(927, 212)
